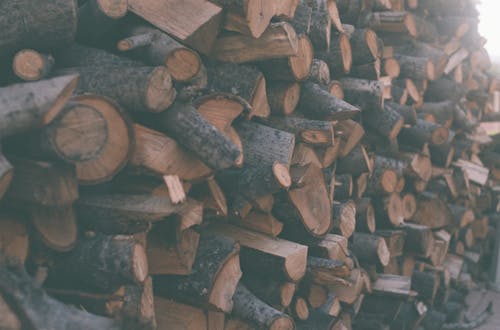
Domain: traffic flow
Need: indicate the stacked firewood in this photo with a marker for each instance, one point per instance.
(230, 164)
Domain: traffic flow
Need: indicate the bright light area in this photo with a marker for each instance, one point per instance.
(489, 26)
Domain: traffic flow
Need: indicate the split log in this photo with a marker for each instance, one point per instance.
(384, 179)
(262, 254)
(194, 23)
(170, 313)
(195, 133)
(216, 272)
(252, 309)
(158, 48)
(279, 40)
(409, 205)
(101, 262)
(344, 218)
(419, 239)
(20, 114)
(14, 240)
(366, 94)
(292, 68)
(365, 216)
(35, 307)
(57, 27)
(348, 290)
(317, 103)
(370, 249)
(146, 89)
(30, 65)
(305, 209)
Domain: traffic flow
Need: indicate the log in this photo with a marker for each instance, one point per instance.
(364, 46)
(395, 22)
(395, 240)
(320, 73)
(271, 291)
(343, 187)
(350, 133)
(370, 249)
(424, 132)
(390, 67)
(35, 307)
(369, 71)
(344, 218)
(292, 68)
(316, 295)
(147, 89)
(157, 48)
(194, 23)
(419, 239)
(14, 240)
(312, 132)
(326, 271)
(216, 272)
(365, 216)
(333, 247)
(262, 254)
(339, 57)
(247, 306)
(317, 103)
(20, 114)
(388, 122)
(320, 32)
(299, 309)
(170, 313)
(407, 112)
(302, 18)
(30, 65)
(365, 94)
(444, 89)
(6, 174)
(56, 27)
(187, 126)
(56, 227)
(389, 211)
(432, 211)
(279, 40)
(355, 163)
(283, 97)
(416, 67)
(426, 284)
(409, 205)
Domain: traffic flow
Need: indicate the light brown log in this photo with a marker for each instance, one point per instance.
(339, 57)
(432, 211)
(179, 316)
(283, 97)
(279, 40)
(350, 133)
(19, 114)
(391, 67)
(304, 154)
(56, 227)
(333, 247)
(30, 65)
(344, 218)
(194, 23)
(395, 240)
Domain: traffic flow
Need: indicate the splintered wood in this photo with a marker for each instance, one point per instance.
(245, 164)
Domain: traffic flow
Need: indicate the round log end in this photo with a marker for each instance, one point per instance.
(282, 175)
(391, 67)
(370, 218)
(383, 253)
(335, 89)
(409, 206)
(468, 238)
(160, 93)
(258, 16)
(80, 134)
(318, 296)
(287, 293)
(430, 70)
(372, 43)
(183, 64)
(396, 128)
(56, 227)
(30, 65)
(225, 283)
(389, 180)
(440, 135)
(346, 52)
(400, 185)
(395, 210)
(291, 99)
(300, 64)
(301, 310)
(467, 217)
(139, 263)
(283, 322)
(411, 26)
(113, 8)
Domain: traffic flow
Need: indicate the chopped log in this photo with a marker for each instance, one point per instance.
(393, 285)
(366, 94)
(370, 71)
(384, 178)
(252, 309)
(332, 247)
(409, 206)
(20, 114)
(432, 211)
(339, 57)
(416, 67)
(356, 162)
(305, 209)
(326, 271)
(426, 284)
(391, 68)
(30, 65)
(320, 73)
(398, 22)
(42, 183)
(364, 45)
(279, 40)
(343, 187)
(162, 155)
(313, 132)
(56, 227)
(292, 68)
(365, 216)
(317, 103)
(265, 145)
(370, 249)
(347, 290)
(211, 195)
(344, 218)
(299, 309)
(389, 211)
(395, 240)
(271, 291)
(419, 239)
(158, 48)
(14, 240)
(259, 252)
(194, 23)
(304, 154)
(195, 133)
(35, 307)
(57, 27)
(147, 88)
(388, 122)
(350, 134)
(216, 272)
(283, 97)
(423, 132)
(442, 112)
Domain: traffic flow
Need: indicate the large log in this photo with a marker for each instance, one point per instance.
(20, 114)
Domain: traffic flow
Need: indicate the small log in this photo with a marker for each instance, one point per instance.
(316, 295)
(14, 240)
(364, 45)
(389, 211)
(56, 227)
(30, 65)
(304, 154)
(365, 94)
(6, 174)
(271, 291)
(432, 211)
(348, 290)
(390, 67)
(398, 22)
(265, 255)
(370, 249)
(158, 48)
(344, 218)
(333, 247)
(320, 73)
(416, 67)
(35, 307)
(299, 309)
(355, 163)
(335, 88)
(216, 272)
(407, 112)
(339, 57)
(283, 97)
(101, 262)
(350, 133)
(423, 132)
(292, 68)
(147, 89)
(249, 307)
(395, 240)
(313, 132)
(365, 216)
(194, 23)
(384, 179)
(279, 40)
(195, 133)
(317, 103)
(419, 239)
(19, 114)
(388, 122)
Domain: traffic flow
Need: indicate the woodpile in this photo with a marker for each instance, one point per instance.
(224, 164)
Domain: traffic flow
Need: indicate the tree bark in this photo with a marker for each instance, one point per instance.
(271, 291)
(370, 249)
(419, 239)
(366, 94)
(313, 132)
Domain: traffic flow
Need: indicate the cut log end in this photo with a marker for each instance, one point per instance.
(301, 310)
(335, 88)
(300, 64)
(139, 263)
(183, 64)
(389, 180)
(409, 206)
(160, 94)
(70, 82)
(287, 292)
(395, 210)
(30, 65)
(383, 252)
(56, 227)
(225, 283)
(283, 322)
(113, 8)
(291, 98)
(346, 52)
(282, 175)
(411, 25)
(391, 67)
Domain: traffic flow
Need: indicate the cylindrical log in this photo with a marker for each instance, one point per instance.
(367, 94)
(365, 216)
(370, 249)
(344, 218)
(313, 132)
(387, 21)
(387, 122)
(339, 57)
(390, 67)
(407, 112)
(423, 132)
(364, 45)
(283, 96)
(299, 309)
(409, 205)
(388, 211)
(56, 227)
(415, 67)
(271, 291)
(356, 162)
(30, 65)
(370, 71)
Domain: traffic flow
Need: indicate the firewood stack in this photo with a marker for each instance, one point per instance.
(229, 164)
